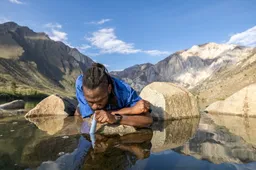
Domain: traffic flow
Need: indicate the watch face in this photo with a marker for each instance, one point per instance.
(118, 118)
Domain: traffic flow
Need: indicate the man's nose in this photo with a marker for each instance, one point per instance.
(95, 106)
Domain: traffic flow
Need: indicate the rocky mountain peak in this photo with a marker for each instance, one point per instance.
(207, 51)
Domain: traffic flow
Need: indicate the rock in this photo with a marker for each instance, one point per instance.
(109, 130)
(173, 134)
(242, 103)
(117, 130)
(16, 104)
(169, 101)
(53, 105)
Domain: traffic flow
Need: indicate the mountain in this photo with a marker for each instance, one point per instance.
(132, 73)
(31, 62)
(200, 69)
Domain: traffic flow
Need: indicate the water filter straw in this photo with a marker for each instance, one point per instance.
(92, 130)
(93, 125)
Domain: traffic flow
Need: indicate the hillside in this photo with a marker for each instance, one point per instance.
(32, 63)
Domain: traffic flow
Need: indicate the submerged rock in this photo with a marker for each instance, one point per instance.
(170, 101)
(242, 103)
(16, 104)
(53, 105)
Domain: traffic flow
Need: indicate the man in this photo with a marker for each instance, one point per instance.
(110, 99)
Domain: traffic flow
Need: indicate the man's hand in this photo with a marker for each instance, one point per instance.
(103, 116)
(141, 106)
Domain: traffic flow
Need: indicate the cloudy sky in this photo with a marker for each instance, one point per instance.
(120, 34)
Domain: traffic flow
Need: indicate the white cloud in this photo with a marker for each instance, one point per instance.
(103, 21)
(3, 20)
(246, 38)
(92, 55)
(106, 65)
(57, 35)
(16, 1)
(106, 40)
(68, 44)
(83, 47)
(118, 70)
(157, 52)
(53, 25)
(100, 22)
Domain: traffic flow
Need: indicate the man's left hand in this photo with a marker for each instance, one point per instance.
(103, 116)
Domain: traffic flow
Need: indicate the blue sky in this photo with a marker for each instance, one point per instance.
(124, 33)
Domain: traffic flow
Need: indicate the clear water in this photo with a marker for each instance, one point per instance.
(61, 143)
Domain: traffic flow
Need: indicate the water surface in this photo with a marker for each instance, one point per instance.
(213, 142)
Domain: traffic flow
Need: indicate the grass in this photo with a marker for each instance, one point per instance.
(29, 94)
(13, 92)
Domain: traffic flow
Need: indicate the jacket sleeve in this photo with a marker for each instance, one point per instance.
(84, 107)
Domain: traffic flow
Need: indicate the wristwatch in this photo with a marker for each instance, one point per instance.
(118, 118)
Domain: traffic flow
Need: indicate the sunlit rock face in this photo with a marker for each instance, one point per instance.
(170, 101)
(188, 67)
(52, 106)
(242, 103)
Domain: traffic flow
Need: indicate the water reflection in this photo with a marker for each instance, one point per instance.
(241, 126)
(171, 134)
(63, 143)
(218, 144)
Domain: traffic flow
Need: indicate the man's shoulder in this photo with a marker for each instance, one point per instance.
(120, 84)
(79, 81)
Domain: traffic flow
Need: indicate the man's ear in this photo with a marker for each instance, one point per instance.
(109, 88)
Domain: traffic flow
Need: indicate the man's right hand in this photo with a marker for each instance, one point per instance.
(103, 116)
(141, 106)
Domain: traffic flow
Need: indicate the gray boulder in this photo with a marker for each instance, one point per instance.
(16, 104)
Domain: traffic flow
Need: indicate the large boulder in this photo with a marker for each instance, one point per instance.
(170, 101)
(242, 103)
(16, 104)
(53, 105)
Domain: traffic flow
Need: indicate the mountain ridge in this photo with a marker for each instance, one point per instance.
(33, 61)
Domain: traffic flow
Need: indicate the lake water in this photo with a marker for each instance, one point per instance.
(212, 142)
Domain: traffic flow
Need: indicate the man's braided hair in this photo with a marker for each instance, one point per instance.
(96, 76)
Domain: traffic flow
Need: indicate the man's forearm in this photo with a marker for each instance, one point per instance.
(124, 111)
(141, 120)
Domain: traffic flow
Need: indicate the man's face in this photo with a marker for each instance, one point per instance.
(97, 98)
